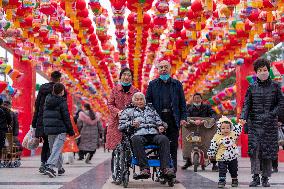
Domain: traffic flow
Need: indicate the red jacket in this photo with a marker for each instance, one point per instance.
(117, 101)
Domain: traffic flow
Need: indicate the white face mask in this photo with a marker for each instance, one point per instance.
(263, 75)
(197, 104)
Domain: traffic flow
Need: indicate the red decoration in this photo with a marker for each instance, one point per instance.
(117, 4)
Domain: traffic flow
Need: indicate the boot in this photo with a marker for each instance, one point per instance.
(187, 164)
(235, 182)
(265, 182)
(255, 182)
(275, 170)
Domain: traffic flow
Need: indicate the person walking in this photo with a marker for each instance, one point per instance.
(262, 104)
(5, 121)
(90, 132)
(37, 122)
(57, 123)
(167, 97)
(121, 96)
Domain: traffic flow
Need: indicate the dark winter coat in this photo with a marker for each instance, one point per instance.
(204, 110)
(15, 123)
(37, 122)
(262, 104)
(178, 104)
(5, 119)
(56, 117)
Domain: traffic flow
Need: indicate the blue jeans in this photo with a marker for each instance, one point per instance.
(56, 143)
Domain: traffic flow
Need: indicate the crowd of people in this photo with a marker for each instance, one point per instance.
(157, 118)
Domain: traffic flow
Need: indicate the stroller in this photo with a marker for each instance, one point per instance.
(123, 160)
(11, 153)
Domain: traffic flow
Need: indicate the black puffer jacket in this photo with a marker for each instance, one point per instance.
(5, 119)
(37, 123)
(262, 104)
(56, 117)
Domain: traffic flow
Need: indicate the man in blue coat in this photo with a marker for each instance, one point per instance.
(167, 97)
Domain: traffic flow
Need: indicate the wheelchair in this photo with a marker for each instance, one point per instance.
(123, 159)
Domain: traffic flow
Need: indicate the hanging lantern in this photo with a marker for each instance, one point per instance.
(118, 4)
(162, 6)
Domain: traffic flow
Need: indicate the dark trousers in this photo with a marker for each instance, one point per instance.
(172, 133)
(45, 151)
(232, 166)
(138, 143)
(90, 152)
(2, 141)
(275, 163)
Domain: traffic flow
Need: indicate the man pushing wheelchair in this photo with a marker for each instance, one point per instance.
(147, 129)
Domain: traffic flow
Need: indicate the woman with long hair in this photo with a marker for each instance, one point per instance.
(91, 128)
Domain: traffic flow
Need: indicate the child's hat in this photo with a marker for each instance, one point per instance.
(224, 119)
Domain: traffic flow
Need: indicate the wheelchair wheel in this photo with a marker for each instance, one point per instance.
(115, 167)
(195, 162)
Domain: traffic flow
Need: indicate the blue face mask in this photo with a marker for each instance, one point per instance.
(164, 77)
(125, 84)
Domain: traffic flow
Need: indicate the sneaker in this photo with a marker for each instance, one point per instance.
(186, 165)
(235, 183)
(145, 173)
(275, 170)
(42, 168)
(265, 182)
(169, 173)
(87, 161)
(255, 182)
(221, 184)
(61, 171)
(50, 172)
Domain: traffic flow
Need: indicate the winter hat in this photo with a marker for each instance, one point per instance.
(223, 119)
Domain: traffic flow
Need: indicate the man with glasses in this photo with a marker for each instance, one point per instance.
(167, 97)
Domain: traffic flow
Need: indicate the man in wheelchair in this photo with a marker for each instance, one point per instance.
(147, 129)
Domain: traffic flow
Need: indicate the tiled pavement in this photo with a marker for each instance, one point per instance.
(97, 175)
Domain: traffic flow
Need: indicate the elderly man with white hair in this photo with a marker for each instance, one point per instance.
(167, 96)
(148, 128)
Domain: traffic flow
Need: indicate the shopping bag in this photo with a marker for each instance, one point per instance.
(280, 137)
(29, 142)
(26, 139)
(70, 145)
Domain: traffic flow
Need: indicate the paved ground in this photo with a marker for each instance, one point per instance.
(97, 175)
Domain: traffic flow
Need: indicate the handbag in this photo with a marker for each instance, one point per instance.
(280, 137)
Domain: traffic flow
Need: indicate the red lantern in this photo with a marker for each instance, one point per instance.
(162, 7)
(231, 3)
(86, 23)
(117, 4)
(196, 6)
(132, 5)
(80, 5)
(48, 8)
(83, 14)
(178, 24)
